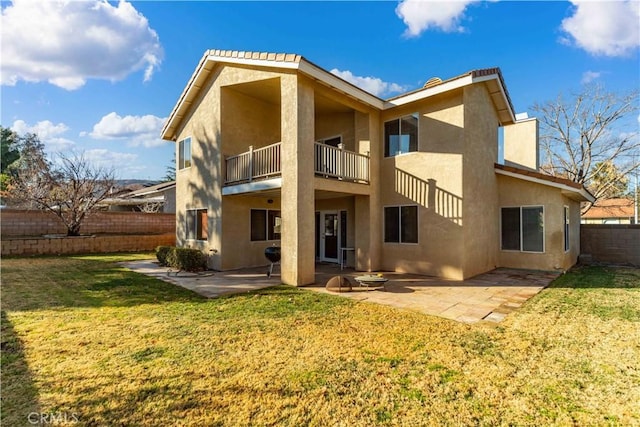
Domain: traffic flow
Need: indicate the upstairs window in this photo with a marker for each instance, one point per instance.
(184, 153)
(401, 135)
(197, 224)
(522, 229)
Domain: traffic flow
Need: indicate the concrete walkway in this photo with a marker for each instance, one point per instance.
(487, 297)
(210, 284)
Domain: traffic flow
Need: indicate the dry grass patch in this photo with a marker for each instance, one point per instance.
(114, 347)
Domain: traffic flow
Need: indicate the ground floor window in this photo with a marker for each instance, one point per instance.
(401, 224)
(522, 228)
(265, 224)
(197, 224)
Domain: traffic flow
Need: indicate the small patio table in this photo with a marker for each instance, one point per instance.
(371, 281)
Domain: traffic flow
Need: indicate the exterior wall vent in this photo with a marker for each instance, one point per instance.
(432, 82)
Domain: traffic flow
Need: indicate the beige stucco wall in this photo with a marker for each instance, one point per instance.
(451, 179)
(368, 210)
(480, 187)
(520, 142)
(298, 214)
(432, 179)
(247, 120)
(330, 125)
(237, 248)
(200, 186)
(516, 192)
(233, 112)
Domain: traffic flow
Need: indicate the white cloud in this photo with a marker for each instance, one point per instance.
(589, 76)
(105, 158)
(372, 85)
(122, 163)
(610, 28)
(139, 130)
(68, 42)
(48, 133)
(421, 15)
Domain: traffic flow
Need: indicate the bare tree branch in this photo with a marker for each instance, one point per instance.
(151, 207)
(70, 189)
(591, 138)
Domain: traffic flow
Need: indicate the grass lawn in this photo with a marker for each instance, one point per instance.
(86, 340)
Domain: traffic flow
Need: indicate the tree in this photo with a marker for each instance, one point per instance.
(9, 154)
(170, 174)
(30, 164)
(10, 150)
(151, 207)
(608, 181)
(69, 188)
(585, 138)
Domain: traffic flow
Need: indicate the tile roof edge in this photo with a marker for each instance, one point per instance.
(539, 175)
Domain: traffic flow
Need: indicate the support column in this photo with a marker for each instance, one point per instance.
(368, 208)
(298, 198)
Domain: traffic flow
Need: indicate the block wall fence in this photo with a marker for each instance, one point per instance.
(38, 223)
(611, 243)
(25, 232)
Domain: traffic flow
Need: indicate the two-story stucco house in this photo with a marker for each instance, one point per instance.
(274, 150)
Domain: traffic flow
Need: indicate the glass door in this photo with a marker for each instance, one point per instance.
(329, 225)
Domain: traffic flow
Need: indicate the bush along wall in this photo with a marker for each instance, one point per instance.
(184, 259)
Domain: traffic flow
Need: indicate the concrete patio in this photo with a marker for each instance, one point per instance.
(487, 297)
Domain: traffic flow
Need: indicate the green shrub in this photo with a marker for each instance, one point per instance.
(186, 259)
(162, 252)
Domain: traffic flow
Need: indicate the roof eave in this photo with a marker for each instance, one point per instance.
(282, 61)
(504, 101)
(577, 194)
(168, 130)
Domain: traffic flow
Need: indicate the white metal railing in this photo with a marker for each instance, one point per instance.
(338, 163)
(254, 164)
(265, 162)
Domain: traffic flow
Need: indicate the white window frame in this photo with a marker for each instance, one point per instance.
(181, 156)
(384, 136)
(195, 223)
(384, 224)
(520, 207)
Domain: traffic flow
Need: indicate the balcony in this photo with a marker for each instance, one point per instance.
(264, 163)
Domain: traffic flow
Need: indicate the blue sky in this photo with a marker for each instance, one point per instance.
(101, 77)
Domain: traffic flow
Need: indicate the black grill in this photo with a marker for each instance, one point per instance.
(272, 253)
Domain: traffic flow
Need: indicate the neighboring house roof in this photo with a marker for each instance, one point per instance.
(152, 190)
(151, 194)
(611, 208)
(295, 62)
(569, 188)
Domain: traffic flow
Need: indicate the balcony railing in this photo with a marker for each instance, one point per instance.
(254, 164)
(341, 164)
(265, 162)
